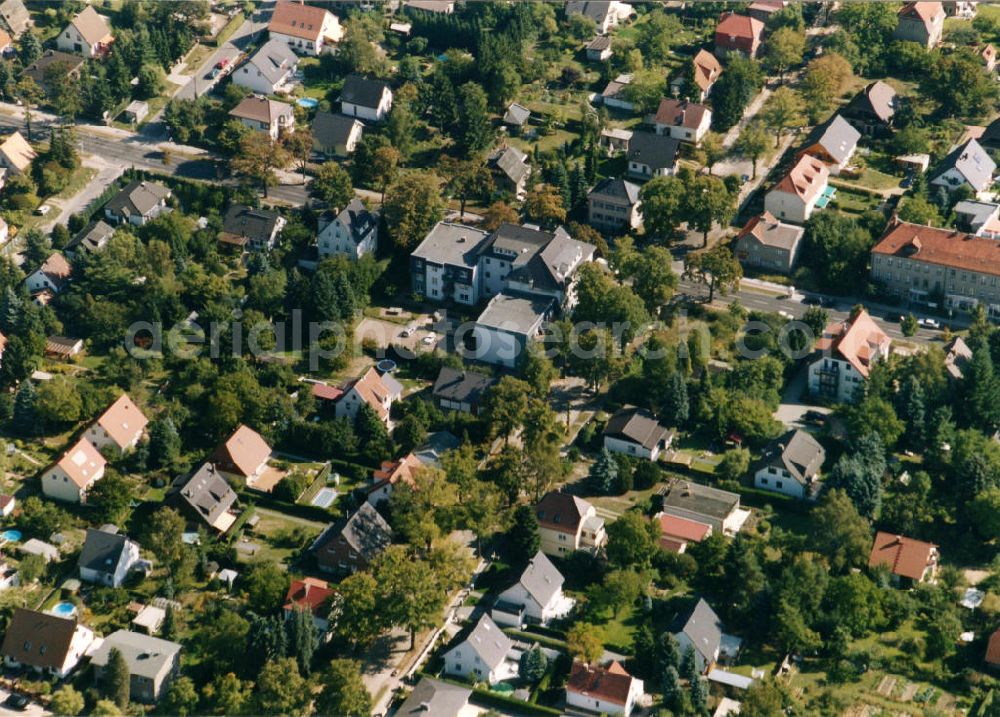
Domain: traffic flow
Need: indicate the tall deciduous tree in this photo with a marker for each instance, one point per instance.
(782, 111)
(332, 184)
(258, 158)
(344, 692)
(413, 205)
(717, 267)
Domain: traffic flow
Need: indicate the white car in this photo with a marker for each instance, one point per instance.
(429, 339)
(930, 323)
(43, 210)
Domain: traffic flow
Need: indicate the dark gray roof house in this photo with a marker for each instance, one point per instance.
(511, 166)
(487, 641)
(51, 58)
(702, 629)
(516, 115)
(702, 503)
(967, 164)
(834, 142)
(92, 238)
(957, 355)
(356, 218)
(658, 152)
(245, 225)
(433, 698)
(334, 134)
(363, 91)
(107, 556)
(638, 427)
(616, 189)
(541, 579)
(797, 453)
(461, 390)
(152, 662)
(206, 496)
(871, 110)
(274, 61)
(351, 543)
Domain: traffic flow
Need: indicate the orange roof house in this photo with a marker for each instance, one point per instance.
(314, 596)
(800, 191)
(121, 425)
(375, 389)
(706, 70)
(74, 473)
(391, 473)
(608, 689)
(305, 28)
(738, 34)
(921, 22)
(676, 532)
(845, 354)
(243, 455)
(905, 557)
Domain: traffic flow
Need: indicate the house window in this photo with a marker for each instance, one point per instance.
(778, 484)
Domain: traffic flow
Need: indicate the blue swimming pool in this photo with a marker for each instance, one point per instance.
(64, 609)
(308, 102)
(11, 536)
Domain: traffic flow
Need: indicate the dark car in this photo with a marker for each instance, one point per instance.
(812, 301)
(814, 417)
(827, 301)
(17, 702)
(895, 318)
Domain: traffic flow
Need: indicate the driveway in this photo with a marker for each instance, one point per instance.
(794, 402)
(32, 710)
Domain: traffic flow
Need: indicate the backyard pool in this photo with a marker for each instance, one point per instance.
(325, 497)
(64, 609)
(308, 102)
(11, 536)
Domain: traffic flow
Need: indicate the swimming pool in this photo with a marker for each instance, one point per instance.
(325, 497)
(308, 102)
(64, 609)
(11, 536)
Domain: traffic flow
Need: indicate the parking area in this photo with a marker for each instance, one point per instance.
(32, 709)
(417, 335)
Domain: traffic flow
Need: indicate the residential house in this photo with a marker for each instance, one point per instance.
(389, 474)
(516, 116)
(73, 475)
(7, 505)
(920, 22)
(687, 121)
(45, 643)
(511, 170)
(871, 110)
(16, 154)
(441, 7)
(567, 523)
(505, 328)
(149, 619)
(704, 504)
(205, 498)
(615, 93)
(437, 698)
(993, 650)
(351, 232)
(652, 155)
(607, 690)
(701, 629)
(88, 34)
(242, 458)
(907, 559)
(121, 426)
(599, 49)
(801, 191)
(767, 244)
(265, 115)
(974, 216)
(833, 142)
(790, 465)
(613, 206)
(676, 532)
(967, 165)
(336, 135)
(69, 66)
(763, 9)
(246, 227)
(15, 16)
(314, 596)
(844, 357)
(606, 14)
(923, 264)
(375, 389)
(271, 70)
(365, 98)
(740, 34)
(152, 663)
(536, 598)
(463, 391)
(107, 557)
(707, 70)
(483, 655)
(137, 203)
(466, 265)
(53, 275)
(636, 432)
(307, 29)
(62, 348)
(351, 543)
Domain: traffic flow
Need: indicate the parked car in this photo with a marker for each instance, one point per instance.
(43, 210)
(812, 416)
(17, 702)
(895, 318)
(812, 301)
(929, 323)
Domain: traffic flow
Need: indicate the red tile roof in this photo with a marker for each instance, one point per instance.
(706, 69)
(674, 527)
(561, 511)
(855, 340)
(308, 594)
(903, 556)
(923, 11)
(611, 684)
(243, 452)
(326, 392)
(680, 113)
(123, 421)
(82, 463)
(742, 26)
(944, 247)
(297, 20)
(993, 649)
(806, 179)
